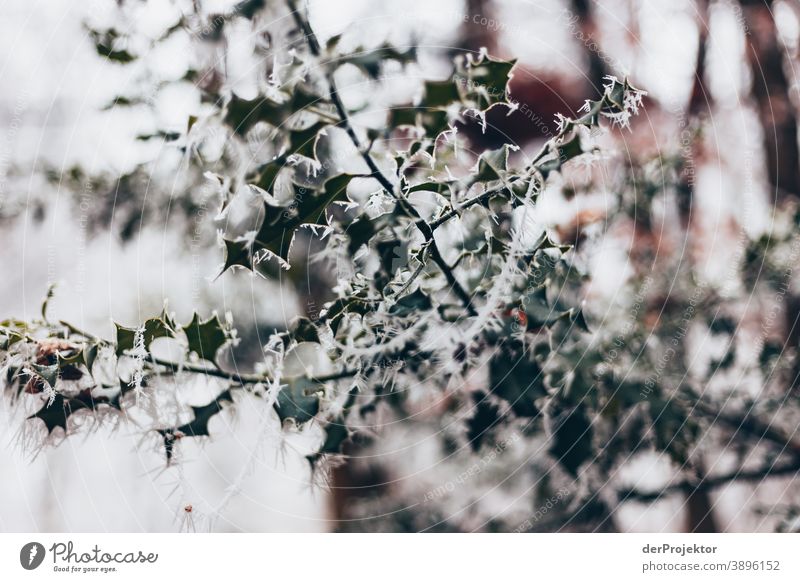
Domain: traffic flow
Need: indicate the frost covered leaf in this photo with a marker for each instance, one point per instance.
(109, 45)
(266, 174)
(371, 61)
(198, 426)
(54, 414)
(303, 142)
(156, 327)
(413, 303)
(335, 311)
(307, 207)
(206, 337)
(565, 151)
(475, 85)
(485, 80)
(47, 373)
(85, 356)
(493, 164)
(304, 330)
(242, 114)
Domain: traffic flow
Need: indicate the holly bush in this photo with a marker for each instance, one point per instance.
(448, 309)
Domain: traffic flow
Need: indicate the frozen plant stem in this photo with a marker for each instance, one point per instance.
(385, 183)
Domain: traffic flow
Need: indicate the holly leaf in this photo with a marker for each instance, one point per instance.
(198, 426)
(243, 114)
(476, 84)
(411, 304)
(237, 254)
(303, 142)
(206, 337)
(8, 337)
(336, 433)
(493, 164)
(480, 425)
(444, 189)
(155, 327)
(299, 400)
(571, 438)
(518, 380)
(307, 208)
(564, 152)
(303, 330)
(266, 174)
(335, 311)
(372, 61)
(47, 373)
(106, 44)
(53, 415)
(485, 80)
(440, 94)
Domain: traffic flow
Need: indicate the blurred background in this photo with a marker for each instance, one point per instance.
(93, 200)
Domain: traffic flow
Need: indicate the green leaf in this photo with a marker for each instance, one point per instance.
(476, 84)
(107, 45)
(485, 81)
(518, 380)
(206, 337)
(336, 433)
(359, 233)
(299, 399)
(8, 337)
(440, 94)
(155, 327)
(55, 415)
(308, 207)
(90, 352)
(566, 151)
(266, 174)
(444, 189)
(335, 310)
(372, 61)
(47, 373)
(480, 425)
(243, 114)
(198, 426)
(493, 164)
(571, 438)
(50, 292)
(237, 254)
(304, 330)
(411, 304)
(303, 142)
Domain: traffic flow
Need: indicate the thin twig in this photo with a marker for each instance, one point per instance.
(709, 483)
(240, 378)
(385, 183)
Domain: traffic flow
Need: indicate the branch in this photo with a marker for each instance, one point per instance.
(239, 378)
(215, 372)
(749, 424)
(709, 483)
(447, 216)
(385, 183)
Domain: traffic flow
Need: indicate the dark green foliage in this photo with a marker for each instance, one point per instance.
(571, 438)
(206, 337)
